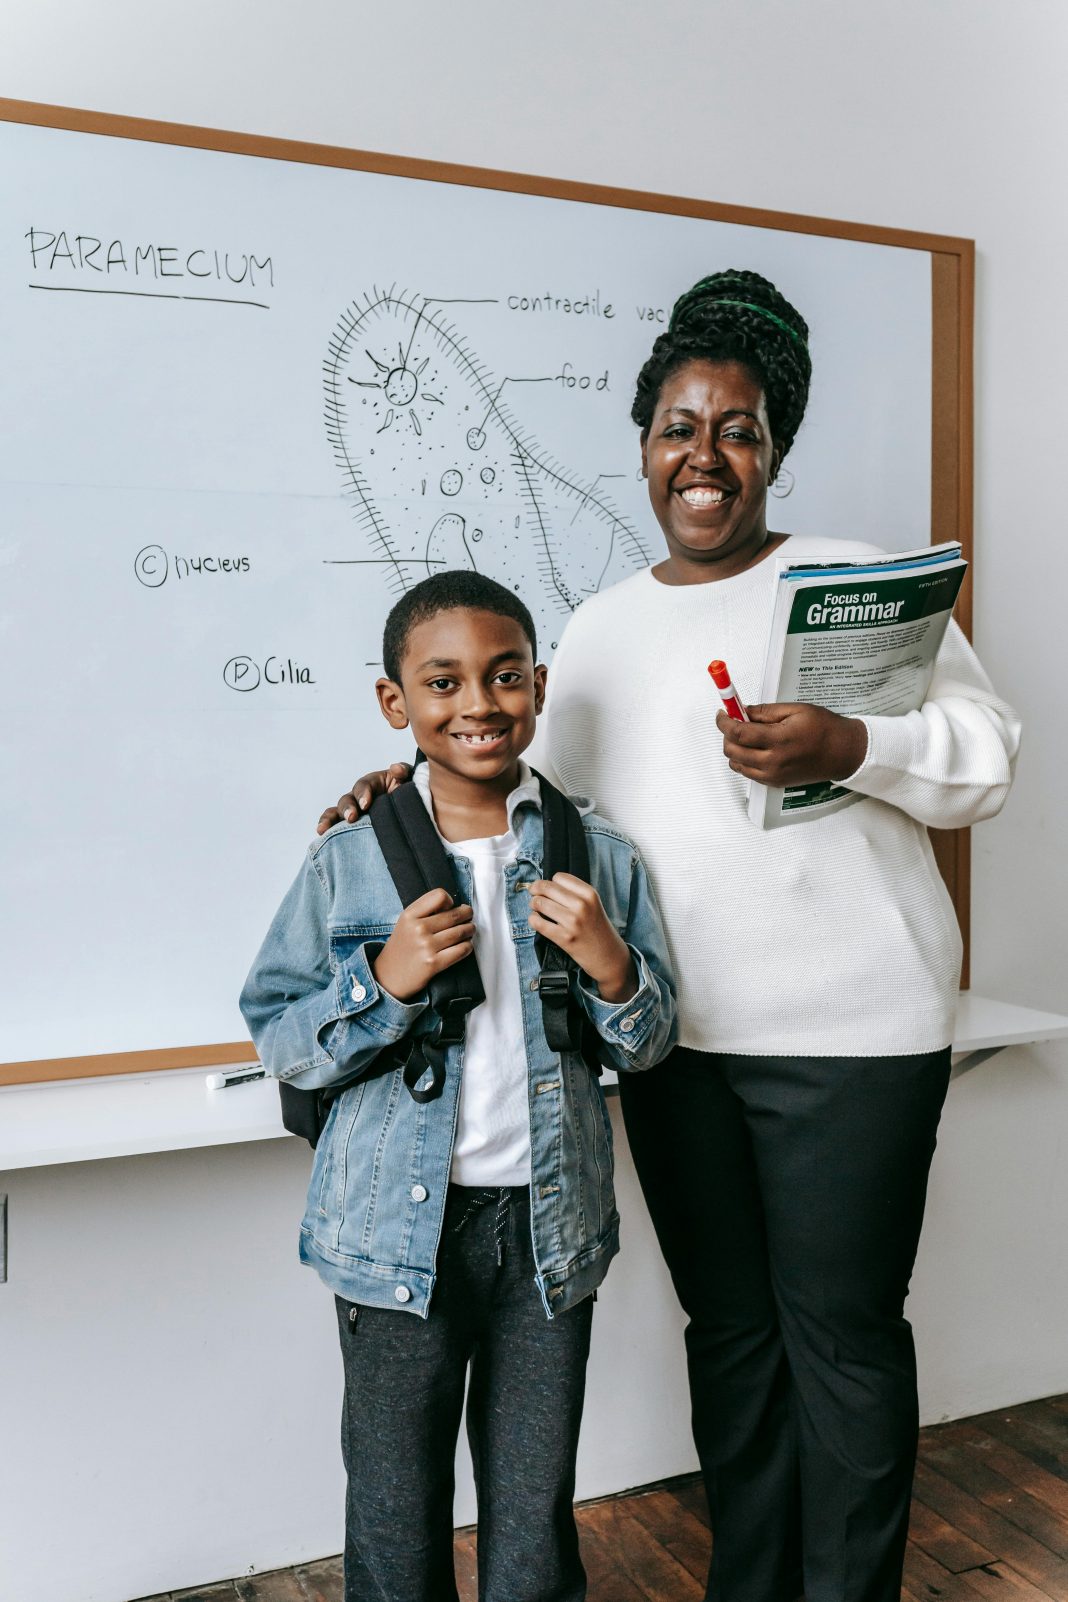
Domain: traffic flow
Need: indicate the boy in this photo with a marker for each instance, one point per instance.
(487, 1213)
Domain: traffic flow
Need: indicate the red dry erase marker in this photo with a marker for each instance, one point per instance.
(727, 693)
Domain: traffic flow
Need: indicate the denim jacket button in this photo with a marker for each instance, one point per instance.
(359, 993)
(419, 1193)
(627, 1025)
(402, 1293)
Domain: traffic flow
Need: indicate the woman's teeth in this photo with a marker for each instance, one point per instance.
(696, 496)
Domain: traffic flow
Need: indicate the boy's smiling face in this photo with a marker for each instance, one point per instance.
(470, 692)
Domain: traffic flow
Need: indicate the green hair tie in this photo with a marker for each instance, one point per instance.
(761, 311)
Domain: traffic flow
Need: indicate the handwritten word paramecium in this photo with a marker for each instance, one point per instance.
(89, 263)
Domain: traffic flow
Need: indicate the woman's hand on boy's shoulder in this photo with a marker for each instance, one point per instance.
(358, 799)
(569, 912)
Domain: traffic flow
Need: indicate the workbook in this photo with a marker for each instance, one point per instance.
(858, 637)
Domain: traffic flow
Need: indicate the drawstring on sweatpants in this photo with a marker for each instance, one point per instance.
(484, 1198)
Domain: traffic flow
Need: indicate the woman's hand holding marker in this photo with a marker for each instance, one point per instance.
(787, 743)
(732, 701)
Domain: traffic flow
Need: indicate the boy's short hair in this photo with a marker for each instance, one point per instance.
(455, 590)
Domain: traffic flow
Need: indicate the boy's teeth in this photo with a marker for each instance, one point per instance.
(696, 496)
(479, 739)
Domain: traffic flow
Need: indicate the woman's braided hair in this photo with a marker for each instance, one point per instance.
(735, 317)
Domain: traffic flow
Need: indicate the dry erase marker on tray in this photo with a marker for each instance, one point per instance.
(237, 1076)
(727, 693)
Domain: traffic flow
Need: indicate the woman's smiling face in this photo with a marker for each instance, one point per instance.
(709, 457)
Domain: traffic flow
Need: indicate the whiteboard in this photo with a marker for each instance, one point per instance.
(248, 402)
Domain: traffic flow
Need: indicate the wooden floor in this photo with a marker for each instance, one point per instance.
(989, 1520)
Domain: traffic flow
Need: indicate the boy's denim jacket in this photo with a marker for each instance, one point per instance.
(377, 1194)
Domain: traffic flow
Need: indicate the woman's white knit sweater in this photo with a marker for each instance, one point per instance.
(834, 936)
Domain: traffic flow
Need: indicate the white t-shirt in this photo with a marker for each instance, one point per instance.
(492, 1145)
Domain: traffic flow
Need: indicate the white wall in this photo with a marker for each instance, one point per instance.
(948, 116)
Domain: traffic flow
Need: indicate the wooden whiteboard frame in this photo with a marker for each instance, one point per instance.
(952, 317)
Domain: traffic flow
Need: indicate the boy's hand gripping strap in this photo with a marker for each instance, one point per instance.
(418, 862)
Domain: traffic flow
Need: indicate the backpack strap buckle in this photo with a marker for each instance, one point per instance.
(554, 985)
(554, 988)
(429, 1051)
(452, 1016)
(426, 1057)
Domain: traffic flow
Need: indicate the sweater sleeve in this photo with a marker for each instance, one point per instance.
(951, 763)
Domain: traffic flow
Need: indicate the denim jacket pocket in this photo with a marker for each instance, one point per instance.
(354, 948)
(348, 938)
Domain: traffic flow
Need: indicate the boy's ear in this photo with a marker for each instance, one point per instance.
(541, 674)
(391, 700)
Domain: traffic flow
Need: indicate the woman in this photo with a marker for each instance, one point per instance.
(783, 1149)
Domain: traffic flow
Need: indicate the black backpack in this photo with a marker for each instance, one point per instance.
(418, 862)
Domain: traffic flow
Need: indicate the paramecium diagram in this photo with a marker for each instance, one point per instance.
(440, 473)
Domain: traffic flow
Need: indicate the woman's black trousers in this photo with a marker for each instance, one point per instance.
(787, 1194)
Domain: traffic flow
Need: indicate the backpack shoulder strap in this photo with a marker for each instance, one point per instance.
(418, 862)
(564, 851)
(565, 848)
(416, 859)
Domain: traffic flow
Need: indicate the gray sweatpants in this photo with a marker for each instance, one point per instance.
(404, 1392)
